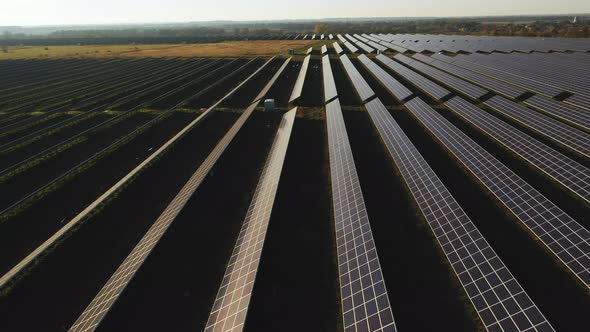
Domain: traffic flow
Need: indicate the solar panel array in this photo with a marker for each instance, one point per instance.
(337, 48)
(342, 39)
(331, 36)
(504, 76)
(351, 47)
(479, 79)
(558, 109)
(566, 171)
(498, 298)
(580, 101)
(471, 44)
(364, 299)
(562, 235)
(434, 90)
(377, 46)
(571, 137)
(298, 88)
(231, 304)
(324, 49)
(309, 50)
(397, 89)
(561, 75)
(458, 84)
(328, 78)
(110, 292)
(363, 89)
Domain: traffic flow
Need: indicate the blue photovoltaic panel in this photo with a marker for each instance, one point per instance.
(562, 133)
(498, 298)
(365, 305)
(298, 88)
(362, 88)
(328, 78)
(337, 48)
(397, 89)
(233, 298)
(559, 232)
(564, 170)
(458, 84)
(485, 81)
(434, 90)
(558, 109)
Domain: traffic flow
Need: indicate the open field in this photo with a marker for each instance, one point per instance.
(394, 197)
(222, 49)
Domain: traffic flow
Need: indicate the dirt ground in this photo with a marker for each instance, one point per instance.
(223, 49)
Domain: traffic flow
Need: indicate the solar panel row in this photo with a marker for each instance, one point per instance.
(506, 77)
(364, 299)
(580, 101)
(309, 50)
(397, 89)
(562, 235)
(434, 90)
(337, 48)
(485, 81)
(298, 88)
(363, 89)
(571, 137)
(458, 84)
(498, 298)
(564, 170)
(109, 293)
(324, 49)
(351, 47)
(558, 109)
(377, 46)
(231, 303)
(342, 39)
(328, 78)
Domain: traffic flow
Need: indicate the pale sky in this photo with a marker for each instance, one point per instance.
(53, 12)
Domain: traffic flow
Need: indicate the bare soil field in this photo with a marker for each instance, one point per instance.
(223, 49)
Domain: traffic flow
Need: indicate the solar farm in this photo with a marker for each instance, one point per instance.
(370, 182)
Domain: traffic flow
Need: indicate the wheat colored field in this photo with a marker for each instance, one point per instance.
(222, 49)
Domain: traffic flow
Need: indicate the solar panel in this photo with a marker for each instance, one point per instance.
(506, 77)
(106, 297)
(397, 89)
(322, 36)
(434, 90)
(377, 46)
(498, 298)
(580, 101)
(564, 170)
(298, 88)
(337, 48)
(561, 234)
(313, 37)
(558, 109)
(485, 81)
(361, 38)
(363, 89)
(309, 50)
(365, 304)
(571, 137)
(342, 39)
(365, 47)
(305, 37)
(231, 304)
(351, 47)
(458, 84)
(329, 83)
(324, 49)
(331, 36)
(393, 46)
(352, 39)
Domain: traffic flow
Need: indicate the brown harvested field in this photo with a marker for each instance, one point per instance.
(222, 49)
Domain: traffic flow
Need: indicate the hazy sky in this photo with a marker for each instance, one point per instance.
(44, 12)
